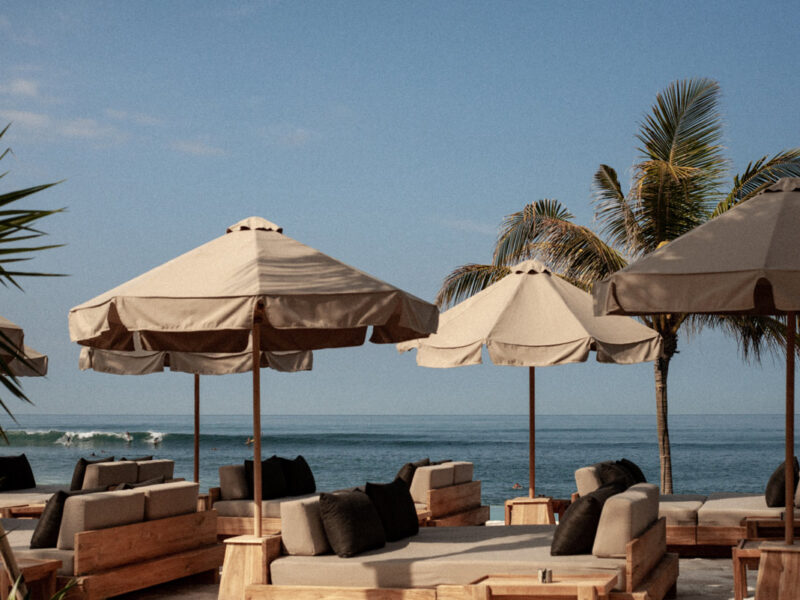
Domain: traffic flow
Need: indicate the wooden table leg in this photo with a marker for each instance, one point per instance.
(739, 574)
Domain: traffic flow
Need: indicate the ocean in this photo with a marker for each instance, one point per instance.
(709, 452)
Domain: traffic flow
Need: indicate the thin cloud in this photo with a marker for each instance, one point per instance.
(197, 148)
(470, 226)
(26, 119)
(47, 127)
(87, 128)
(21, 87)
(290, 136)
(132, 117)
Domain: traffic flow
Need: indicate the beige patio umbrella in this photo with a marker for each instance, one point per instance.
(744, 262)
(145, 362)
(252, 281)
(11, 334)
(531, 318)
(36, 363)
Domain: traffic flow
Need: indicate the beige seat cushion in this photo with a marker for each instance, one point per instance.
(302, 531)
(727, 509)
(245, 508)
(462, 472)
(624, 517)
(38, 495)
(98, 511)
(67, 557)
(431, 477)
(680, 509)
(169, 499)
(441, 555)
(19, 532)
(106, 474)
(151, 469)
(232, 482)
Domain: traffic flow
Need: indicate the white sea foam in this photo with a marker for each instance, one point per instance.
(76, 437)
(156, 437)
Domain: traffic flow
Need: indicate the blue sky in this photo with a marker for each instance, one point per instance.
(393, 136)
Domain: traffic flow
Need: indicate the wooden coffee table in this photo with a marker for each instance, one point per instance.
(745, 555)
(40, 577)
(594, 586)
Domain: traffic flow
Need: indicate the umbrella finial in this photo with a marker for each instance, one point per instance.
(530, 266)
(254, 223)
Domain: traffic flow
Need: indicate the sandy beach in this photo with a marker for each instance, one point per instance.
(700, 579)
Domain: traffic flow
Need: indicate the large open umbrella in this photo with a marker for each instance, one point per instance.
(744, 262)
(252, 281)
(11, 334)
(531, 318)
(144, 362)
(35, 363)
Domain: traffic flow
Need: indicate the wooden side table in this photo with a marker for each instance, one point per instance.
(40, 577)
(564, 585)
(530, 511)
(778, 571)
(745, 555)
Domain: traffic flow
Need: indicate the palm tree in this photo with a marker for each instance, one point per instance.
(17, 227)
(677, 185)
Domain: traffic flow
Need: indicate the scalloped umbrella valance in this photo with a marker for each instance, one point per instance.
(531, 318)
(745, 261)
(252, 281)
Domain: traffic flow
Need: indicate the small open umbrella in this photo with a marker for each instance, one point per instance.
(531, 318)
(12, 335)
(744, 262)
(144, 362)
(253, 286)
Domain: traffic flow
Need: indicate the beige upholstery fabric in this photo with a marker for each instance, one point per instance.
(430, 478)
(109, 473)
(245, 508)
(680, 509)
(729, 508)
(169, 499)
(150, 469)
(302, 531)
(38, 495)
(587, 479)
(438, 555)
(462, 472)
(19, 532)
(232, 483)
(98, 511)
(624, 517)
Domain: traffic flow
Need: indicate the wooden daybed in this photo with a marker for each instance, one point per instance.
(444, 563)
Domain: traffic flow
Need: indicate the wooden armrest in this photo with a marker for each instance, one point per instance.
(215, 494)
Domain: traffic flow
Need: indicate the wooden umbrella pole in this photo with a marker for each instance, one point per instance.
(532, 431)
(196, 428)
(257, 422)
(790, 349)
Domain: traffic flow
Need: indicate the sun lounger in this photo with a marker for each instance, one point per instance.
(442, 563)
(117, 542)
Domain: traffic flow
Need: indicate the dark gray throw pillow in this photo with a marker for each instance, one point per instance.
(132, 486)
(80, 470)
(298, 475)
(578, 525)
(351, 523)
(395, 507)
(141, 458)
(273, 481)
(610, 472)
(775, 494)
(46, 533)
(633, 469)
(15, 473)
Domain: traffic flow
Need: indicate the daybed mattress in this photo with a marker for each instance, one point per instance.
(439, 555)
(19, 533)
(680, 509)
(245, 508)
(727, 509)
(36, 495)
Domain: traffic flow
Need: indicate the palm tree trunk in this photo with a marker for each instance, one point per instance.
(661, 370)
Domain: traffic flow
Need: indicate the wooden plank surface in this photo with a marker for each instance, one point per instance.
(301, 592)
(708, 535)
(778, 573)
(106, 548)
(244, 525)
(128, 578)
(454, 498)
(644, 553)
(473, 516)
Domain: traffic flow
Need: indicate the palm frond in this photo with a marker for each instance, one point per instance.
(468, 280)
(522, 228)
(615, 212)
(682, 165)
(759, 175)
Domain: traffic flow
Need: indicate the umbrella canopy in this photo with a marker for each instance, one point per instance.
(13, 335)
(745, 261)
(252, 281)
(145, 362)
(36, 367)
(531, 318)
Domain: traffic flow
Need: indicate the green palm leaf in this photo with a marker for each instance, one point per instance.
(759, 175)
(468, 280)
